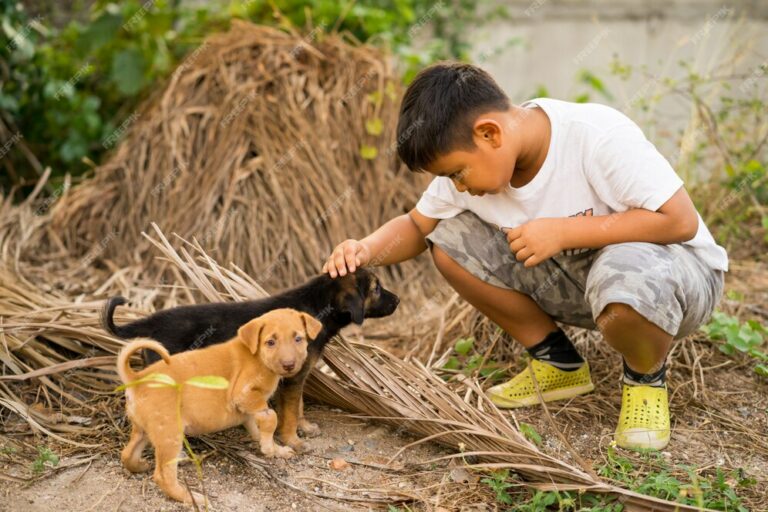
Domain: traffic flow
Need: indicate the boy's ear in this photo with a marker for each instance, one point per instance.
(353, 304)
(488, 130)
(312, 326)
(250, 334)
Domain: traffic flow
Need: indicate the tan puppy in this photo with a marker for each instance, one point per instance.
(265, 349)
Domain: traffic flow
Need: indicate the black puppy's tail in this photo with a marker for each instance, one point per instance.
(126, 331)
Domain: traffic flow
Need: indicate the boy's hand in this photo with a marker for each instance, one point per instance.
(536, 241)
(347, 256)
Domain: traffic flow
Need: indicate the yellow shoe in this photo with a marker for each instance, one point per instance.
(644, 418)
(554, 384)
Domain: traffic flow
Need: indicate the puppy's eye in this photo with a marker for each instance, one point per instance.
(271, 343)
(298, 339)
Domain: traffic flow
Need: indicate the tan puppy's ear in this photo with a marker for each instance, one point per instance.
(312, 326)
(250, 334)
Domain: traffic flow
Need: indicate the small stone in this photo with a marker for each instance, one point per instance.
(347, 448)
(338, 464)
(462, 476)
(402, 484)
(351, 442)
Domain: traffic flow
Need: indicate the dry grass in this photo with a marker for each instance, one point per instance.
(239, 191)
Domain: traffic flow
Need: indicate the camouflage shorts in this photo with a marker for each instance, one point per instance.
(667, 284)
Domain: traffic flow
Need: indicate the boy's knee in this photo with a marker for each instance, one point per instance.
(615, 315)
(440, 257)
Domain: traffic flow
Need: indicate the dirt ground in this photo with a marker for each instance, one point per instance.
(308, 481)
(720, 422)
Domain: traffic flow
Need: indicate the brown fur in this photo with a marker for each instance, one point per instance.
(264, 350)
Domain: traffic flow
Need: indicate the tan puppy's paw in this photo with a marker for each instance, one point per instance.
(284, 452)
(140, 466)
(308, 428)
(297, 444)
(200, 500)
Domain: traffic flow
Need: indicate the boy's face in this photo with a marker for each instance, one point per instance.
(486, 169)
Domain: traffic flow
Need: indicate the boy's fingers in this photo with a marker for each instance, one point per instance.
(338, 261)
(523, 254)
(531, 262)
(516, 245)
(513, 233)
(349, 257)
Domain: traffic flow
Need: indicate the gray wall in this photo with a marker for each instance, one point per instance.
(558, 39)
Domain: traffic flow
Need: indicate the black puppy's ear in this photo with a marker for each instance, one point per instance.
(353, 305)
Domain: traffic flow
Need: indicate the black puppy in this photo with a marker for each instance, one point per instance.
(336, 303)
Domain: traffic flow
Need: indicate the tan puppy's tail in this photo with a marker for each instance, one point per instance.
(124, 358)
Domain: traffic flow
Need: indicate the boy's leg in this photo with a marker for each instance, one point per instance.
(475, 259)
(643, 296)
(511, 310)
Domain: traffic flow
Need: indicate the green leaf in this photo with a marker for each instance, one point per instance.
(389, 90)
(157, 380)
(452, 364)
(208, 382)
(154, 380)
(762, 370)
(368, 152)
(530, 433)
(375, 97)
(100, 32)
(595, 83)
(464, 345)
(127, 71)
(374, 126)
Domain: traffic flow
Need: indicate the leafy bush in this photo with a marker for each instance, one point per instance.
(746, 337)
(67, 90)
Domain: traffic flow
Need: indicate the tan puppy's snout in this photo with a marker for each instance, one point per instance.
(288, 365)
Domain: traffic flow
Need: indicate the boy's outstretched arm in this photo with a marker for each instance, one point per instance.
(400, 239)
(675, 221)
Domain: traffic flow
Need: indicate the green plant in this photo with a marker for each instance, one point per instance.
(499, 485)
(617, 467)
(8, 450)
(155, 380)
(746, 337)
(67, 90)
(525, 500)
(530, 433)
(45, 457)
(468, 360)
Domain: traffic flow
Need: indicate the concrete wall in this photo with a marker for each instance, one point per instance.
(548, 43)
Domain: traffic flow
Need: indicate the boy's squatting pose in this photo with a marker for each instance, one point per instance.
(553, 211)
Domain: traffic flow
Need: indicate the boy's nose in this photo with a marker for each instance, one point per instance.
(460, 187)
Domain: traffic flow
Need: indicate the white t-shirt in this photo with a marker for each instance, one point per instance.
(599, 162)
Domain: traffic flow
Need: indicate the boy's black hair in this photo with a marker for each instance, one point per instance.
(439, 109)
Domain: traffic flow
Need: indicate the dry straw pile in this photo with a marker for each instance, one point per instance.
(252, 151)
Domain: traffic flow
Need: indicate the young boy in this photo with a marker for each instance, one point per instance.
(553, 211)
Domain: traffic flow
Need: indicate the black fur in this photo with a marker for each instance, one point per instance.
(334, 302)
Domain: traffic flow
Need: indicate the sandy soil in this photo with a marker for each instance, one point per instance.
(102, 484)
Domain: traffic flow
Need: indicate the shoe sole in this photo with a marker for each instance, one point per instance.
(638, 439)
(547, 396)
